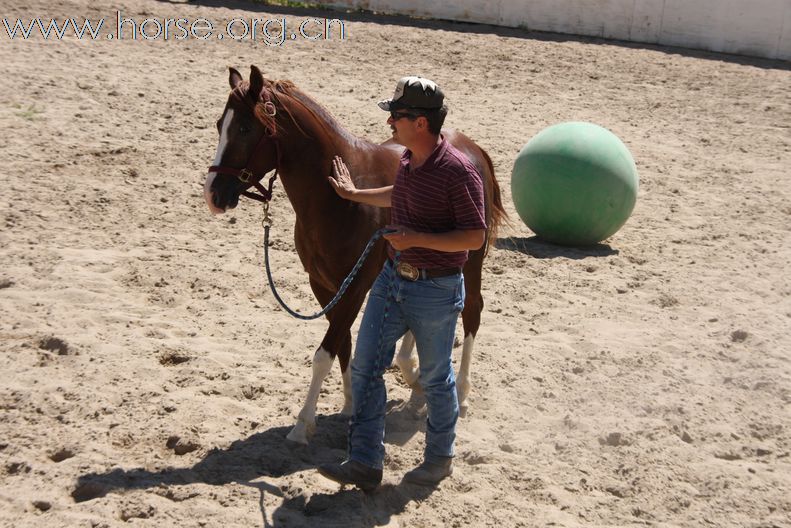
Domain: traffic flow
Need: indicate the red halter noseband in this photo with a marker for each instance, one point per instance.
(247, 175)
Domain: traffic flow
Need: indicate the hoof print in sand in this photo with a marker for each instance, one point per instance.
(173, 357)
(181, 446)
(42, 505)
(137, 511)
(614, 440)
(15, 468)
(57, 345)
(64, 453)
(86, 491)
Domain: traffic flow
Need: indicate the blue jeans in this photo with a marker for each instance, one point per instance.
(430, 309)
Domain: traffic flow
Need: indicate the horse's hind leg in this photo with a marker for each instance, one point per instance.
(471, 317)
(406, 360)
(463, 383)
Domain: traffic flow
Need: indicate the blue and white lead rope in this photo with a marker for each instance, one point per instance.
(344, 285)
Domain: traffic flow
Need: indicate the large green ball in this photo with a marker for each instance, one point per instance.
(574, 183)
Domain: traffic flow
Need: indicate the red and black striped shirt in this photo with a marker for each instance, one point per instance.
(443, 194)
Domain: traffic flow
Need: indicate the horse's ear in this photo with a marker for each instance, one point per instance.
(234, 78)
(256, 82)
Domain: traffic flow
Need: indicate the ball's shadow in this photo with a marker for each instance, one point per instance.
(539, 248)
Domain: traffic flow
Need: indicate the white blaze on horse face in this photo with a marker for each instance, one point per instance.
(207, 193)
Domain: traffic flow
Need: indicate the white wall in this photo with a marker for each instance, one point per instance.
(760, 28)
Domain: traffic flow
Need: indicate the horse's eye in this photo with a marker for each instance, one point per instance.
(243, 129)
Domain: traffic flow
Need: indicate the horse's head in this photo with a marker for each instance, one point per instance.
(247, 148)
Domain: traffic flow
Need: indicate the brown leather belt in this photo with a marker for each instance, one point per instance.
(411, 273)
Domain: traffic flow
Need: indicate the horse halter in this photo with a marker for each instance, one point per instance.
(247, 175)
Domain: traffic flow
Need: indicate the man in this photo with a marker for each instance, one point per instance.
(437, 204)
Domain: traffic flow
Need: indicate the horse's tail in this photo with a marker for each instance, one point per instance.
(495, 213)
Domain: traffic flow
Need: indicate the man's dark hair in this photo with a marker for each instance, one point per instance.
(436, 118)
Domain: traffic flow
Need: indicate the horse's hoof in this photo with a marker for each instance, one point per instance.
(301, 433)
(462, 391)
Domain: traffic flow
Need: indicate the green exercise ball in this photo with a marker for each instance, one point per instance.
(574, 184)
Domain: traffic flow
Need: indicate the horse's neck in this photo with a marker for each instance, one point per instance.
(307, 158)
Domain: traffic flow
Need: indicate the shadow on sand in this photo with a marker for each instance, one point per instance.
(268, 454)
(541, 249)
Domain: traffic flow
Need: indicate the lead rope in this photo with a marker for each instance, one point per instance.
(390, 297)
(267, 223)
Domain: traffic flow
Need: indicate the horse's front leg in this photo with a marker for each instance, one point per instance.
(306, 420)
(337, 342)
(348, 403)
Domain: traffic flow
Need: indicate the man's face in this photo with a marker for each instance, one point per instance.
(404, 125)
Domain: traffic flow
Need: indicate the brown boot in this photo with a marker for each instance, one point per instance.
(430, 473)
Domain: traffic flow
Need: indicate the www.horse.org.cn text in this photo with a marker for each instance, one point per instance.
(270, 31)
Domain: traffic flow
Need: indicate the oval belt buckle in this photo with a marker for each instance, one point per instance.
(408, 271)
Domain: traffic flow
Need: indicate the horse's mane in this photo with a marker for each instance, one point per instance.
(287, 94)
(284, 94)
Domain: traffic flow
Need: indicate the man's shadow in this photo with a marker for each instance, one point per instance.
(270, 454)
(348, 508)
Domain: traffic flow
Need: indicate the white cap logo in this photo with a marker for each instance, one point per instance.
(410, 81)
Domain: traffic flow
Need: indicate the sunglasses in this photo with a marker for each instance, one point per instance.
(395, 115)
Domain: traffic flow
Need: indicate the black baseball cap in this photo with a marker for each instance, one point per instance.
(415, 93)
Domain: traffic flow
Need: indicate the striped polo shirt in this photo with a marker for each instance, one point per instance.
(443, 194)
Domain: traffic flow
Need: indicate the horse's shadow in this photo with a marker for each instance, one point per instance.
(536, 247)
(270, 454)
(263, 454)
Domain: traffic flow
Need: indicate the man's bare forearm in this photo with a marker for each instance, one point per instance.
(451, 241)
(379, 197)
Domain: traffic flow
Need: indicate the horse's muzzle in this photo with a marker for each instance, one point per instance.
(211, 196)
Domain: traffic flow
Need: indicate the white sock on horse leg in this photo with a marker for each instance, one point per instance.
(306, 421)
(406, 360)
(463, 384)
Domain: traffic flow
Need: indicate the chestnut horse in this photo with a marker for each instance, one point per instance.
(272, 125)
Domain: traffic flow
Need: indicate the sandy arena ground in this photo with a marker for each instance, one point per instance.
(148, 376)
